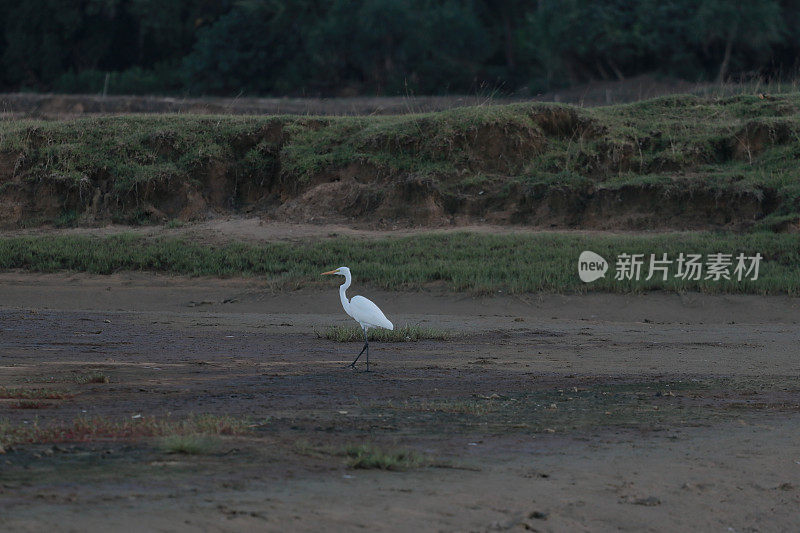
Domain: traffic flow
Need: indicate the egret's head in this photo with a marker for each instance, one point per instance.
(341, 271)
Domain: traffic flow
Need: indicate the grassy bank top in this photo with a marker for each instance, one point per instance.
(746, 143)
(461, 262)
(560, 138)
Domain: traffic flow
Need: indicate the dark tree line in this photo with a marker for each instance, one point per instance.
(334, 47)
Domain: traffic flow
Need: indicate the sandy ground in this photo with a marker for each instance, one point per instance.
(548, 413)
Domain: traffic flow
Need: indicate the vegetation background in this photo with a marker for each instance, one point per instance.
(386, 47)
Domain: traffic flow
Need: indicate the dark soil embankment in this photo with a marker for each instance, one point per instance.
(675, 162)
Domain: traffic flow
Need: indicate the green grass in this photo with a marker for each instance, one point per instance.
(462, 262)
(175, 224)
(407, 333)
(91, 377)
(32, 404)
(368, 456)
(189, 444)
(365, 455)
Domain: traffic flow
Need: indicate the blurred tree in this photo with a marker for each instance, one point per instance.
(570, 41)
(385, 46)
(720, 26)
(45, 40)
(307, 46)
(258, 47)
(166, 30)
(502, 19)
(785, 61)
(395, 46)
(5, 10)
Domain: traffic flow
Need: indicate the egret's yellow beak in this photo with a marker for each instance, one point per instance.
(331, 272)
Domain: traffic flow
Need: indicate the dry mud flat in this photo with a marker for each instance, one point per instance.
(552, 413)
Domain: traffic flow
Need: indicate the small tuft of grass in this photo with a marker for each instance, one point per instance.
(31, 404)
(304, 447)
(91, 377)
(175, 224)
(196, 444)
(32, 394)
(407, 333)
(368, 456)
(220, 425)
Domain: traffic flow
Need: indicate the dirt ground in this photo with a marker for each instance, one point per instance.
(253, 229)
(549, 413)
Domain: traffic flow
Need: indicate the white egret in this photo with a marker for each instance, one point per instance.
(363, 311)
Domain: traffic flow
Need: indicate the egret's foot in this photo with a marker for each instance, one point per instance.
(354, 368)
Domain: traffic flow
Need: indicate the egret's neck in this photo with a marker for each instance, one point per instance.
(342, 289)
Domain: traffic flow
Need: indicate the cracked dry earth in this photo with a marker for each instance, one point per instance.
(547, 413)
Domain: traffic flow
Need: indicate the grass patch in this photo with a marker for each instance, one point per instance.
(104, 429)
(91, 377)
(407, 333)
(368, 456)
(365, 456)
(462, 262)
(32, 404)
(175, 224)
(189, 444)
(218, 425)
(33, 394)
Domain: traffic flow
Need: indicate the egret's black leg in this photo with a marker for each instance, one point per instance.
(353, 364)
(365, 348)
(366, 343)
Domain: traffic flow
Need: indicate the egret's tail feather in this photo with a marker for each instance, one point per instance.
(384, 323)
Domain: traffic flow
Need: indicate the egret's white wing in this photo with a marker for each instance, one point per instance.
(366, 312)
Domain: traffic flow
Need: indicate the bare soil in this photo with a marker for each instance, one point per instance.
(552, 413)
(254, 229)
